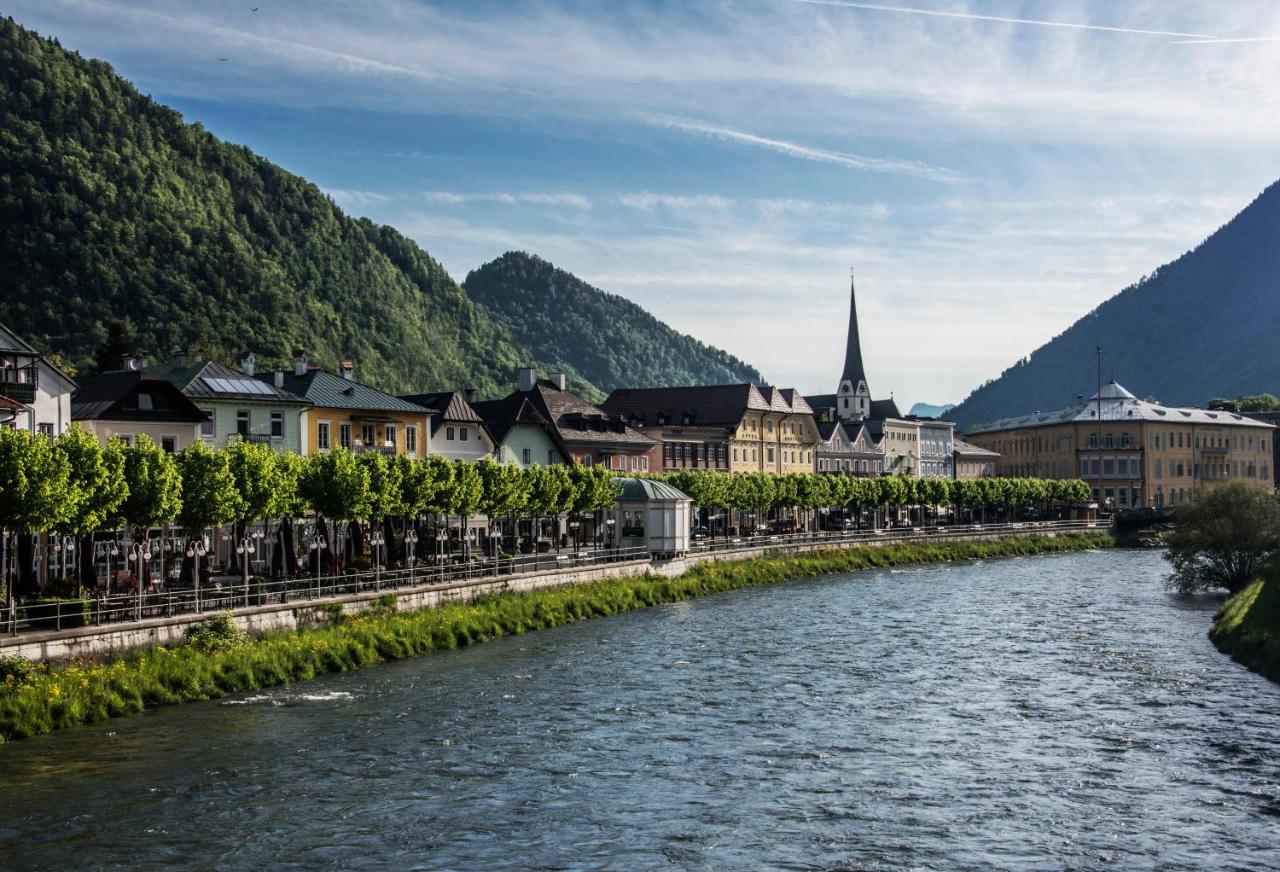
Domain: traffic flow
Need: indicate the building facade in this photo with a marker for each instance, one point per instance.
(729, 428)
(345, 413)
(937, 448)
(970, 461)
(522, 435)
(239, 407)
(457, 430)
(584, 433)
(34, 394)
(1132, 452)
(127, 403)
(840, 453)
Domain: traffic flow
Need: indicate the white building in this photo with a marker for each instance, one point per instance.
(34, 394)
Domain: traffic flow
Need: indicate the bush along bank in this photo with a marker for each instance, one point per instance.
(220, 660)
(1247, 627)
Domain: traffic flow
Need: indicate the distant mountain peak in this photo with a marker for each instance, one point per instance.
(1200, 326)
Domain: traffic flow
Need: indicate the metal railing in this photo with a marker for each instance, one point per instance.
(231, 593)
(887, 535)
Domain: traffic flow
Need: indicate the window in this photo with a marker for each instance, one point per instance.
(366, 435)
(390, 433)
(208, 427)
(551, 457)
(169, 443)
(586, 460)
(644, 464)
(242, 423)
(344, 435)
(45, 430)
(144, 403)
(277, 425)
(411, 439)
(462, 434)
(770, 454)
(322, 435)
(770, 426)
(526, 456)
(448, 434)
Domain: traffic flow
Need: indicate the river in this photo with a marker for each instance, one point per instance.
(1046, 712)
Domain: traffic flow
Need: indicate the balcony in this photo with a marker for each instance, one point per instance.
(22, 392)
(1216, 450)
(384, 450)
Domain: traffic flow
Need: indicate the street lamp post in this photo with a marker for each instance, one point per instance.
(139, 554)
(197, 549)
(245, 549)
(377, 540)
(411, 549)
(318, 544)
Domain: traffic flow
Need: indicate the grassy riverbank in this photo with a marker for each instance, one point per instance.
(49, 699)
(1247, 627)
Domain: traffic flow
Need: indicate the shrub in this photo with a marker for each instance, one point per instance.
(219, 634)
(58, 613)
(16, 670)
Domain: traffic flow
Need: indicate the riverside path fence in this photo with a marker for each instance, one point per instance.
(230, 593)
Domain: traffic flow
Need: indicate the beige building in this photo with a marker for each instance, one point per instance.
(972, 461)
(1132, 452)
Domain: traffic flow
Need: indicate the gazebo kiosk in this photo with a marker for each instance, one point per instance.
(652, 515)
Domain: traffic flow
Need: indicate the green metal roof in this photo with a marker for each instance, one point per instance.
(646, 489)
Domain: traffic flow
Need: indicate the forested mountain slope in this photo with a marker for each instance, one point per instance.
(1205, 325)
(611, 341)
(114, 209)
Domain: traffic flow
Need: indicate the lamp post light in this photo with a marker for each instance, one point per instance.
(245, 549)
(64, 547)
(318, 544)
(377, 540)
(411, 549)
(139, 554)
(197, 549)
(495, 534)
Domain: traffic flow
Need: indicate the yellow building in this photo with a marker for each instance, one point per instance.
(351, 415)
(1132, 452)
(732, 428)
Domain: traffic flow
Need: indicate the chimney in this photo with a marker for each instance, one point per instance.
(130, 362)
(470, 394)
(279, 378)
(526, 378)
(178, 356)
(299, 363)
(347, 368)
(559, 380)
(247, 363)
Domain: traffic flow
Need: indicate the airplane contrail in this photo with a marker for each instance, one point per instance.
(971, 16)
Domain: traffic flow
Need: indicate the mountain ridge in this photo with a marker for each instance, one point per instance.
(1199, 326)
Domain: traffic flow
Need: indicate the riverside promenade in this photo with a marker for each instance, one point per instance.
(151, 620)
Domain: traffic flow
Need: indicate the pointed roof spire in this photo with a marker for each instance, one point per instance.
(853, 371)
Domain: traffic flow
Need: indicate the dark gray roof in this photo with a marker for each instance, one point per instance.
(501, 416)
(879, 408)
(968, 449)
(447, 406)
(573, 419)
(209, 380)
(113, 396)
(693, 406)
(322, 388)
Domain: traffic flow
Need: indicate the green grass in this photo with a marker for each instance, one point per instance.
(1247, 627)
(78, 693)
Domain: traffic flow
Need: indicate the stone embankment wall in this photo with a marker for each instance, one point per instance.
(89, 643)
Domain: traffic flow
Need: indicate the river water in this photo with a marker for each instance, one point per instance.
(1047, 712)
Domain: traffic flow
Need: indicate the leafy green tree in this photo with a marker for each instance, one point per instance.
(260, 480)
(1223, 537)
(335, 485)
(386, 486)
(155, 486)
(503, 487)
(96, 484)
(35, 493)
(209, 494)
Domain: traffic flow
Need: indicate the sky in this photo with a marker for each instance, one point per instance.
(989, 170)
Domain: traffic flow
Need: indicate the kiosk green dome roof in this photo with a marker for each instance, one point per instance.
(638, 490)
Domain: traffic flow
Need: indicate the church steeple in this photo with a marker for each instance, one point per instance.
(853, 372)
(853, 398)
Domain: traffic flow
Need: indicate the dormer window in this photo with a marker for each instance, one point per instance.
(144, 403)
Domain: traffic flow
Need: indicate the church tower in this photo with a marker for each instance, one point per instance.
(853, 398)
